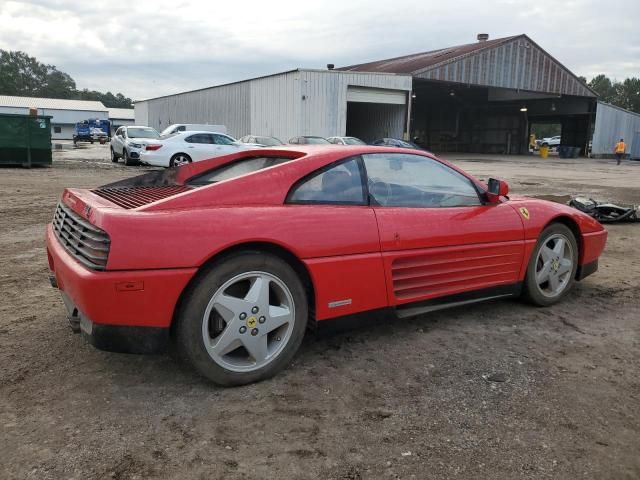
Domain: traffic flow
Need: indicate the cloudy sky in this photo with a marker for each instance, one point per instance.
(150, 48)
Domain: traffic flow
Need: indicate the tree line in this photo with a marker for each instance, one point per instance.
(625, 94)
(24, 76)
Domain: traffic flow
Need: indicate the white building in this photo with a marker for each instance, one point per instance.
(121, 117)
(65, 113)
(288, 104)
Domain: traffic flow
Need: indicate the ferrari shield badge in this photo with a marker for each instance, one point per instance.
(524, 212)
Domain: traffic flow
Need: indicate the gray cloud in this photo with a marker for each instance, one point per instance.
(150, 48)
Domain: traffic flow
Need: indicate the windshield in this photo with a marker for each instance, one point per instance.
(353, 141)
(268, 141)
(142, 133)
(316, 140)
(236, 169)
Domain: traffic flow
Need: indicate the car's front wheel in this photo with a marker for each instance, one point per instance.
(114, 157)
(552, 268)
(243, 319)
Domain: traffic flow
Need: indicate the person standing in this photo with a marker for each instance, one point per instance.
(620, 150)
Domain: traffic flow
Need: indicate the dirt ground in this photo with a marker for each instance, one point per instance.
(499, 390)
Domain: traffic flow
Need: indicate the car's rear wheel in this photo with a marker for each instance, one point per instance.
(114, 157)
(179, 159)
(552, 268)
(243, 319)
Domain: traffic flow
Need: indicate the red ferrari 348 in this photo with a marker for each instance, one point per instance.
(232, 258)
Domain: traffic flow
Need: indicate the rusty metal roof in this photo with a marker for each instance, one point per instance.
(417, 62)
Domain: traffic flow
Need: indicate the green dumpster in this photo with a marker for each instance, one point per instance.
(25, 140)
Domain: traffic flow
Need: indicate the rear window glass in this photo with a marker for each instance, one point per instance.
(236, 169)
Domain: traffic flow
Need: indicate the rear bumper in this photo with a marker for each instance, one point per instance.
(154, 159)
(113, 306)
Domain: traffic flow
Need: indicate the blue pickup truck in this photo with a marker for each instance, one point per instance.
(91, 130)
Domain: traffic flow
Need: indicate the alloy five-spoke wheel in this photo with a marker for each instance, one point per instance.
(248, 321)
(242, 318)
(552, 267)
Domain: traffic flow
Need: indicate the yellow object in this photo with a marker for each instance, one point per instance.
(620, 147)
(544, 151)
(252, 322)
(525, 212)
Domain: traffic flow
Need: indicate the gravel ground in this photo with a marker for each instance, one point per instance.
(498, 390)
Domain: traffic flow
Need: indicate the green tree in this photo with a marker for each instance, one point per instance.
(603, 86)
(21, 74)
(25, 76)
(628, 94)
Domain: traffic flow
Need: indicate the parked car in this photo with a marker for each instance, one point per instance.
(261, 140)
(186, 127)
(234, 257)
(99, 135)
(308, 140)
(345, 141)
(550, 142)
(397, 142)
(129, 142)
(186, 147)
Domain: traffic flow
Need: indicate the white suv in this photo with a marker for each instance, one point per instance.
(128, 142)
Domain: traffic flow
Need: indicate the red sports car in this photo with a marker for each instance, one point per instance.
(232, 258)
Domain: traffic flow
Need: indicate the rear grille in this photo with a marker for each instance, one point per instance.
(85, 242)
(133, 197)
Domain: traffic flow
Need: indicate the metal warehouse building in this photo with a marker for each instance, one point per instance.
(298, 102)
(481, 97)
(65, 113)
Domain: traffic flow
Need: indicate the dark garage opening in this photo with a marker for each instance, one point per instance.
(370, 121)
(448, 117)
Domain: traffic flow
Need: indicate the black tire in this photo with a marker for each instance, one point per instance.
(187, 330)
(128, 161)
(532, 291)
(114, 157)
(172, 162)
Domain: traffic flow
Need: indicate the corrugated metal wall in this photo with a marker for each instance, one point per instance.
(518, 64)
(275, 106)
(302, 102)
(225, 105)
(612, 124)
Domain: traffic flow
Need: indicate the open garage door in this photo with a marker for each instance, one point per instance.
(374, 113)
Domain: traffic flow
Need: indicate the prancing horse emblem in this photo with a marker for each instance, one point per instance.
(524, 212)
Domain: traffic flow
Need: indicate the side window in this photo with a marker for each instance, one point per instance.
(221, 139)
(198, 138)
(181, 128)
(340, 184)
(401, 180)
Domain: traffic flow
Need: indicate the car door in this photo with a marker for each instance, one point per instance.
(437, 236)
(329, 217)
(199, 146)
(117, 141)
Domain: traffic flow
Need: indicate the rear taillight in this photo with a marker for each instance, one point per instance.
(152, 147)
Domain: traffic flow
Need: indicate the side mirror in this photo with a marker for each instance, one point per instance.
(496, 189)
